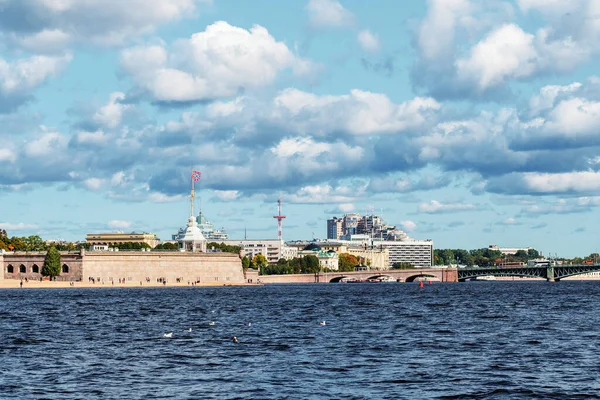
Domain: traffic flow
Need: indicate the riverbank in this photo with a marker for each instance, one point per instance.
(16, 284)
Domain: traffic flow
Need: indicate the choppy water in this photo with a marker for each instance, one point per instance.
(477, 340)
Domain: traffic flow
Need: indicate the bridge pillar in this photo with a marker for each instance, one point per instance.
(550, 273)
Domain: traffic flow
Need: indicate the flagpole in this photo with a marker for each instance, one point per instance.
(192, 195)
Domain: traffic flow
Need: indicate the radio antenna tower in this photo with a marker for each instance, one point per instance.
(279, 217)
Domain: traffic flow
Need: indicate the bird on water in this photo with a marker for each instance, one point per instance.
(235, 340)
(168, 334)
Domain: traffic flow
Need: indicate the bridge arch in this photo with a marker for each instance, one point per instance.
(421, 277)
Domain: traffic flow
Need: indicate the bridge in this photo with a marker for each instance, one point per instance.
(401, 275)
(551, 273)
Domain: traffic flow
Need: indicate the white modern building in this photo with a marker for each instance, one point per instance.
(419, 253)
(272, 249)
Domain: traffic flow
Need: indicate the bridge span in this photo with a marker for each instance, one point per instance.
(401, 275)
(551, 273)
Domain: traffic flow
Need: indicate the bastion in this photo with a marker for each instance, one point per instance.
(129, 266)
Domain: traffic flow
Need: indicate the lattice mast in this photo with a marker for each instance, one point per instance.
(279, 218)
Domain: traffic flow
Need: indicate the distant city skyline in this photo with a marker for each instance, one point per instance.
(467, 123)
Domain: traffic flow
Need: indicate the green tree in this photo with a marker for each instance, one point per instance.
(532, 253)
(347, 262)
(246, 262)
(34, 243)
(311, 264)
(260, 261)
(51, 266)
(167, 246)
(402, 265)
(225, 248)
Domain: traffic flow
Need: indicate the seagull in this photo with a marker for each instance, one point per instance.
(188, 330)
(212, 323)
(169, 334)
(235, 340)
(249, 323)
(322, 322)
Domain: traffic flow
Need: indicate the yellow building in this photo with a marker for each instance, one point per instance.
(113, 239)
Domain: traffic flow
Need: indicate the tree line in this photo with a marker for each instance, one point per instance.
(485, 257)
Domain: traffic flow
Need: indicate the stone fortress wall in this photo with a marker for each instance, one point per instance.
(131, 266)
(206, 268)
(21, 265)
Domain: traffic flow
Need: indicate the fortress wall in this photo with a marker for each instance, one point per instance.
(213, 268)
(2, 265)
(30, 260)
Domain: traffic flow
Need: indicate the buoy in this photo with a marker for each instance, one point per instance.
(421, 284)
(430, 282)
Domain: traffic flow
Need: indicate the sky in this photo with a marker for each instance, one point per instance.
(470, 123)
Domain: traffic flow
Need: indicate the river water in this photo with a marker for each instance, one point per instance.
(474, 340)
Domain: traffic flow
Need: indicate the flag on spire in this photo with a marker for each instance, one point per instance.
(196, 176)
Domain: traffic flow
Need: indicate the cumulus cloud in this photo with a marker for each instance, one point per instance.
(503, 54)
(19, 78)
(218, 62)
(561, 206)
(408, 226)
(21, 226)
(328, 14)
(106, 22)
(368, 41)
(226, 195)
(546, 183)
(406, 184)
(117, 224)
(435, 207)
(110, 114)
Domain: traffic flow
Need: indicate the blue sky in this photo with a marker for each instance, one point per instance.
(470, 123)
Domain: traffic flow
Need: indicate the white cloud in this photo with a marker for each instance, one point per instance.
(573, 117)
(328, 13)
(7, 155)
(368, 41)
(47, 143)
(18, 226)
(227, 195)
(436, 33)
(408, 226)
(359, 113)
(47, 41)
(506, 52)
(116, 224)
(156, 197)
(435, 206)
(582, 181)
(545, 99)
(93, 183)
(346, 207)
(217, 62)
(104, 22)
(96, 137)
(323, 194)
(510, 221)
(21, 76)
(110, 114)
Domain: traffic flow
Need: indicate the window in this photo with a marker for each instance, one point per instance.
(65, 269)
(10, 269)
(35, 269)
(22, 269)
